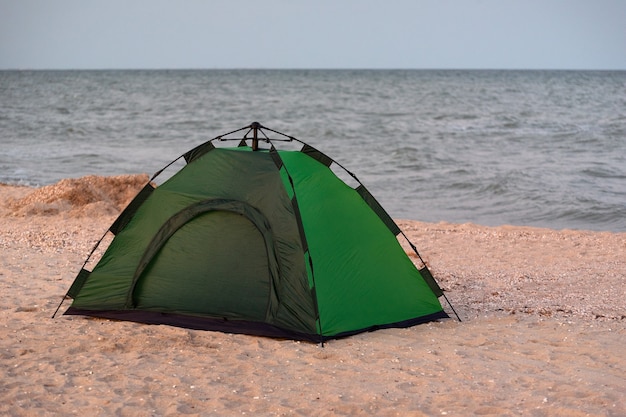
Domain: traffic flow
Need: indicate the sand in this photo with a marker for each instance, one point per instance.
(543, 330)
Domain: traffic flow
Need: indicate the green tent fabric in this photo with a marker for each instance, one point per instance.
(259, 241)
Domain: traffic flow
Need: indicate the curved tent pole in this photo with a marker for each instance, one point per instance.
(305, 245)
(83, 267)
(256, 126)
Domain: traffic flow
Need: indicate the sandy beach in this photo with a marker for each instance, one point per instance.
(543, 330)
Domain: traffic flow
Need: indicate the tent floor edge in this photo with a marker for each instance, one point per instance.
(397, 325)
(239, 326)
(197, 323)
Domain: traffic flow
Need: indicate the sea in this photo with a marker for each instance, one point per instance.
(492, 147)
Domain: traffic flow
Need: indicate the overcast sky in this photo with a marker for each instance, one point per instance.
(498, 34)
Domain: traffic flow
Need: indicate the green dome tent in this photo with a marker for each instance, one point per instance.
(258, 241)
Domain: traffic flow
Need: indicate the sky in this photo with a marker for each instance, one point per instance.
(421, 34)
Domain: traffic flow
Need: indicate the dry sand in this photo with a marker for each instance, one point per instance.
(543, 331)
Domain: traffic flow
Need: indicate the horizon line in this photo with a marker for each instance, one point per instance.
(305, 69)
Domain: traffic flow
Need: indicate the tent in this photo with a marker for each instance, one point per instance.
(258, 241)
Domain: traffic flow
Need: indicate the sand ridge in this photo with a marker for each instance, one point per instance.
(91, 195)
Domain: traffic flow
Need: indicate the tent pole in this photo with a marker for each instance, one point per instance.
(450, 304)
(255, 135)
(59, 306)
(426, 266)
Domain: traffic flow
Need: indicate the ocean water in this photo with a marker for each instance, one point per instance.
(536, 148)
